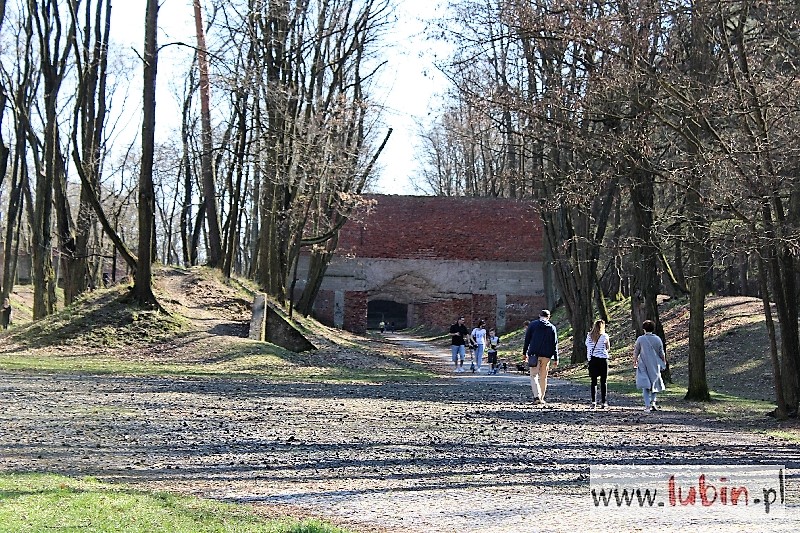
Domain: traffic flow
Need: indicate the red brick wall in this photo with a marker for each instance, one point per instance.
(483, 306)
(441, 314)
(437, 227)
(323, 307)
(355, 311)
(522, 308)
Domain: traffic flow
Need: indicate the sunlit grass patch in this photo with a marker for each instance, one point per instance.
(46, 502)
(240, 360)
(790, 435)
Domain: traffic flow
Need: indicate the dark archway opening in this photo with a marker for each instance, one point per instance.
(387, 311)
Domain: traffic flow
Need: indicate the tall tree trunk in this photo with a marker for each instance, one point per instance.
(209, 187)
(87, 135)
(701, 76)
(783, 290)
(187, 232)
(317, 266)
(142, 286)
(52, 64)
(4, 150)
(763, 276)
(698, 385)
(14, 219)
(233, 216)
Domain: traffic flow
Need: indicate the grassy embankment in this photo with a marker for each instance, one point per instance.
(103, 334)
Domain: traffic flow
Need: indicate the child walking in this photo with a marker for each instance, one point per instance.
(494, 340)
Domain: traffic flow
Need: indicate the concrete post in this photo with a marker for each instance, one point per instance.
(338, 309)
(258, 323)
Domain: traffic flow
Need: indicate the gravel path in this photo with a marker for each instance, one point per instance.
(461, 453)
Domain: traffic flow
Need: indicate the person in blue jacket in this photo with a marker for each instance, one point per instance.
(541, 347)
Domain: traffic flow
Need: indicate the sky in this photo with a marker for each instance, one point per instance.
(408, 85)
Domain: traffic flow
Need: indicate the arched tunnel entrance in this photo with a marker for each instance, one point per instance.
(387, 311)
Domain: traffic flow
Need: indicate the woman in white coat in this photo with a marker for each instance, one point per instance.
(649, 360)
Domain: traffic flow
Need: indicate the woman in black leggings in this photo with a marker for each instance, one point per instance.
(597, 349)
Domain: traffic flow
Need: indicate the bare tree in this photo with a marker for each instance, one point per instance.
(91, 57)
(53, 52)
(315, 133)
(142, 287)
(209, 187)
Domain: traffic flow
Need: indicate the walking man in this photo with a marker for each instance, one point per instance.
(541, 346)
(459, 335)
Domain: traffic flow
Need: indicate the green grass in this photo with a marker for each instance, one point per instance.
(246, 361)
(46, 502)
(785, 435)
(727, 407)
(103, 318)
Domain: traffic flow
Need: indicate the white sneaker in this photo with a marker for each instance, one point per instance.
(604, 406)
(646, 409)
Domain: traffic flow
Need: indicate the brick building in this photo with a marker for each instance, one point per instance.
(420, 260)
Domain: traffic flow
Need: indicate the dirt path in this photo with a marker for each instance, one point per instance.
(209, 305)
(462, 453)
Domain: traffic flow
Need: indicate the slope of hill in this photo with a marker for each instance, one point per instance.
(737, 345)
(204, 333)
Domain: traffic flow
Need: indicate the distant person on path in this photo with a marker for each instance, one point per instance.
(648, 360)
(106, 280)
(598, 347)
(382, 325)
(494, 341)
(459, 337)
(391, 326)
(5, 314)
(479, 338)
(541, 346)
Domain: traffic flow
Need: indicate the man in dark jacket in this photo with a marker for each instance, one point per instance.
(541, 346)
(459, 338)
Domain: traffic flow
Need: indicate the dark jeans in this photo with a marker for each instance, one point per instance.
(598, 368)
